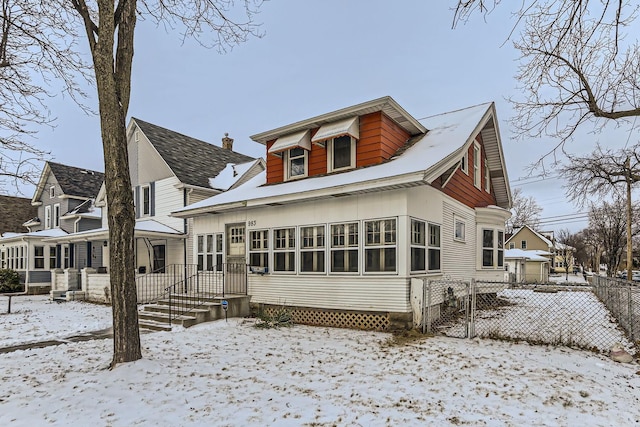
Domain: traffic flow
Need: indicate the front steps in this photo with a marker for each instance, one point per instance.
(156, 316)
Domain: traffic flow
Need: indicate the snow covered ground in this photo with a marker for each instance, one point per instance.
(232, 374)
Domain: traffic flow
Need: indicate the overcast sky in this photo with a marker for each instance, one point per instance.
(317, 57)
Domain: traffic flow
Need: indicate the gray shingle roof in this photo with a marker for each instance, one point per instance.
(193, 161)
(13, 212)
(77, 181)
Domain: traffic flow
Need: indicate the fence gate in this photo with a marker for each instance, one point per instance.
(448, 308)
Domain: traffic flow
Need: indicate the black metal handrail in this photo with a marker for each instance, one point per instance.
(151, 287)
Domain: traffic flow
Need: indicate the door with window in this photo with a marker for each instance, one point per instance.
(235, 269)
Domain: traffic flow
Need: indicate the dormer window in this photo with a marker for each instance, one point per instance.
(296, 163)
(341, 153)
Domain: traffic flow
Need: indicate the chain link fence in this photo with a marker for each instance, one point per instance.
(587, 317)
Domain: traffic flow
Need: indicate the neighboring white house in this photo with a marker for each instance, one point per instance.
(357, 202)
(526, 266)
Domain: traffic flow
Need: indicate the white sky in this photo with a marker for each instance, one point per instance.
(319, 57)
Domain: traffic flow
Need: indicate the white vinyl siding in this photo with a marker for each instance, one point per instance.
(458, 257)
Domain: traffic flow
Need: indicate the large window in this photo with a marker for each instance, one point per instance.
(38, 257)
(487, 248)
(296, 163)
(380, 245)
(312, 249)
(342, 153)
(259, 248)
(434, 247)
(344, 248)
(418, 246)
(284, 249)
(209, 254)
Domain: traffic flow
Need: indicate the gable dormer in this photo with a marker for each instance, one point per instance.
(363, 135)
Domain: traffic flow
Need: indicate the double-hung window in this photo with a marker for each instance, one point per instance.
(52, 257)
(47, 217)
(418, 246)
(344, 248)
(38, 257)
(487, 177)
(500, 249)
(56, 215)
(459, 230)
(342, 153)
(312, 249)
(296, 163)
(146, 200)
(209, 248)
(380, 245)
(487, 248)
(259, 248)
(434, 247)
(284, 249)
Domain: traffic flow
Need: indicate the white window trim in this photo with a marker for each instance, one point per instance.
(429, 246)
(285, 250)
(456, 221)
(302, 249)
(476, 165)
(205, 252)
(380, 245)
(422, 245)
(358, 248)
(261, 250)
(52, 191)
(352, 164)
(487, 177)
(287, 166)
(493, 249)
(464, 162)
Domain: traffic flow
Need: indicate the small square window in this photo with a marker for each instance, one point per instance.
(459, 231)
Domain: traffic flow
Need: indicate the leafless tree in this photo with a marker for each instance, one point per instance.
(110, 28)
(524, 211)
(603, 173)
(579, 63)
(565, 248)
(38, 60)
(608, 224)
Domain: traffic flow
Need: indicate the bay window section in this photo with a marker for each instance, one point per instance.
(259, 248)
(38, 257)
(434, 247)
(380, 245)
(344, 248)
(312, 249)
(284, 249)
(418, 246)
(500, 249)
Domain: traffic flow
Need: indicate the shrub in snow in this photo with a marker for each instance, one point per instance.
(9, 281)
(281, 317)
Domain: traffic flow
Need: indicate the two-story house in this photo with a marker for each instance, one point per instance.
(357, 202)
(13, 211)
(168, 170)
(64, 200)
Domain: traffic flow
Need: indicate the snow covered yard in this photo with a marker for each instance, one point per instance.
(232, 374)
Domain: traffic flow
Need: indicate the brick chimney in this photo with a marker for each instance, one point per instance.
(227, 143)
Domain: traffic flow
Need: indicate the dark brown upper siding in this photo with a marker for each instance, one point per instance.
(461, 188)
(14, 211)
(380, 139)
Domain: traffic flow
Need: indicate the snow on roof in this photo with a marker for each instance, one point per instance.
(53, 232)
(230, 175)
(448, 134)
(528, 255)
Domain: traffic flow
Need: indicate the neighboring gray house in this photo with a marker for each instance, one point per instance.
(64, 200)
(169, 171)
(13, 211)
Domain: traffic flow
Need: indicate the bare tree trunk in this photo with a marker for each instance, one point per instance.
(627, 166)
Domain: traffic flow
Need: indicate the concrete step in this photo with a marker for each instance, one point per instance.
(201, 314)
(153, 325)
(183, 320)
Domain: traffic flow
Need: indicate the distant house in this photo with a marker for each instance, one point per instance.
(13, 211)
(64, 202)
(168, 171)
(356, 203)
(527, 266)
(543, 243)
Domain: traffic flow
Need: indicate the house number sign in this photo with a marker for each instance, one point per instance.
(252, 223)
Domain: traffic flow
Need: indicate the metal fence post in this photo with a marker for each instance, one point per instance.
(428, 319)
(471, 329)
(423, 321)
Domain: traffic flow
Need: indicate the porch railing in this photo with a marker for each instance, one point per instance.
(188, 288)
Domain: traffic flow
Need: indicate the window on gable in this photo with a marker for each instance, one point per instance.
(512, 245)
(523, 244)
(476, 165)
(146, 200)
(47, 217)
(56, 215)
(296, 163)
(487, 177)
(464, 163)
(52, 192)
(341, 153)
